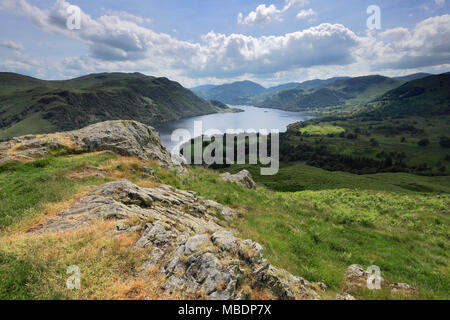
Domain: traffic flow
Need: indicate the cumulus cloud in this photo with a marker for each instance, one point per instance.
(307, 14)
(128, 16)
(425, 45)
(263, 14)
(112, 39)
(11, 45)
(326, 44)
(119, 44)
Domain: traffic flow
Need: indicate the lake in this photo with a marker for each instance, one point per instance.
(251, 118)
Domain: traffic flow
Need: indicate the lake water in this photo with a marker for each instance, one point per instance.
(251, 118)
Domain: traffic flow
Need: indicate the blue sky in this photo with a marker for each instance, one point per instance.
(208, 41)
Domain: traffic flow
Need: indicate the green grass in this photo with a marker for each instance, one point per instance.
(318, 234)
(32, 125)
(321, 130)
(298, 176)
(375, 137)
(25, 187)
(16, 277)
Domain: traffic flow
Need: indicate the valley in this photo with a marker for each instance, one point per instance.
(364, 182)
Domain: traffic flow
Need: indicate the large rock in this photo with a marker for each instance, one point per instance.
(128, 138)
(356, 278)
(185, 240)
(243, 178)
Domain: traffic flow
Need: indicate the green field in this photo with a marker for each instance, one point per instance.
(321, 130)
(393, 140)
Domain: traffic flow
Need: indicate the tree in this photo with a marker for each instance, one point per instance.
(423, 142)
(374, 142)
(444, 142)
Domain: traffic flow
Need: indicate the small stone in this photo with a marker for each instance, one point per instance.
(345, 296)
(322, 286)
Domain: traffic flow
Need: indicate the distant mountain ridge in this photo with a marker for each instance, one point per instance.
(231, 93)
(341, 92)
(29, 105)
(414, 76)
(248, 92)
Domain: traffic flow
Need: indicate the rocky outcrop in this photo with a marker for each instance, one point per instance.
(29, 147)
(128, 138)
(185, 239)
(243, 178)
(356, 278)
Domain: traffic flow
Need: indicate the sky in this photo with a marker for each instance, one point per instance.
(198, 42)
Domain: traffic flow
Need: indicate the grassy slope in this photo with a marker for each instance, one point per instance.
(315, 234)
(318, 234)
(425, 97)
(30, 105)
(298, 176)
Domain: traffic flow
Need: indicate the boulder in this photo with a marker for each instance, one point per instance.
(243, 178)
(345, 296)
(356, 278)
(125, 137)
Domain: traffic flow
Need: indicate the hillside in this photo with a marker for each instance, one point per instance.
(404, 130)
(414, 76)
(429, 96)
(139, 227)
(341, 93)
(247, 92)
(233, 93)
(29, 105)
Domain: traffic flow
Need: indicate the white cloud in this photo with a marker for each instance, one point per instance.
(118, 44)
(263, 14)
(307, 14)
(128, 16)
(11, 45)
(124, 43)
(326, 44)
(425, 45)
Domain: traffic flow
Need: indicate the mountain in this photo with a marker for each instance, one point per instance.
(202, 91)
(341, 92)
(414, 76)
(317, 83)
(429, 96)
(29, 105)
(284, 86)
(231, 93)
